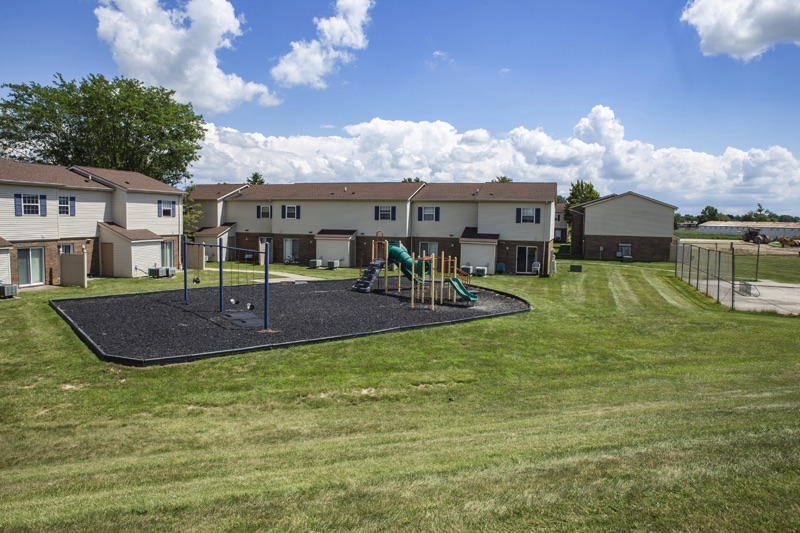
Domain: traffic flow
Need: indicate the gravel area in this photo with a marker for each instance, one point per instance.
(160, 327)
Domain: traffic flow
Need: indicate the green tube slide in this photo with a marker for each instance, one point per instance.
(408, 266)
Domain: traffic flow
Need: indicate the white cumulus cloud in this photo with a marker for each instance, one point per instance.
(743, 29)
(390, 150)
(176, 48)
(309, 62)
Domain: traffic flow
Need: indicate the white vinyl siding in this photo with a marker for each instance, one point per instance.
(501, 218)
(5, 266)
(335, 250)
(90, 207)
(317, 215)
(480, 255)
(629, 216)
(27, 227)
(245, 215)
(142, 213)
(144, 255)
(453, 218)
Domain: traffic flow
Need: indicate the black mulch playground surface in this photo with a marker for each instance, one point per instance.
(161, 327)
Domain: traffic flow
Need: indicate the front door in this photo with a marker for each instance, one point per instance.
(107, 259)
(30, 266)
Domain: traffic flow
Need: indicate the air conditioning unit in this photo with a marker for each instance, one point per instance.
(154, 272)
(333, 265)
(467, 269)
(170, 271)
(8, 290)
(480, 271)
(315, 263)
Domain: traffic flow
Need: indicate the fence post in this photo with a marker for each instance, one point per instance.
(708, 268)
(758, 258)
(697, 277)
(266, 287)
(221, 279)
(185, 271)
(691, 251)
(719, 256)
(733, 276)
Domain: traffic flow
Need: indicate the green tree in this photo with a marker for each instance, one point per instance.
(192, 212)
(709, 213)
(502, 179)
(117, 124)
(580, 192)
(413, 180)
(255, 179)
(561, 199)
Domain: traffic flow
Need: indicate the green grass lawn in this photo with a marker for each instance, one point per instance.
(623, 401)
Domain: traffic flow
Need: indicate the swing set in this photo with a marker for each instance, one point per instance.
(242, 282)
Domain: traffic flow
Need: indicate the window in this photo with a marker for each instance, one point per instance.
(558, 217)
(531, 215)
(263, 211)
(167, 208)
(30, 264)
(429, 214)
(30, 204)
(290, 211)
(528, 215)
(63, 205)
(428, 248)
(385, 212)
(66, 248)
(166, 254)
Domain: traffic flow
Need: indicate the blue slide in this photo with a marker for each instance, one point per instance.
(410, 268)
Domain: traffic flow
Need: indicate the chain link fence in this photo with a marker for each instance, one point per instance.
(733, 279)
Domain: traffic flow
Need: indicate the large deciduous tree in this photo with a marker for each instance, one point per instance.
(580, 192)
(117, 124)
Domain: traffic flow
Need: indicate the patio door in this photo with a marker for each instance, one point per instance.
(291, 250)
(526, 256)
(31, 266)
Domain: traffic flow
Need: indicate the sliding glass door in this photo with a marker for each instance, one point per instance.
(31, 266)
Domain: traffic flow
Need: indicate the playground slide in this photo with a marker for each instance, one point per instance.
(410, 268)
(461, 290)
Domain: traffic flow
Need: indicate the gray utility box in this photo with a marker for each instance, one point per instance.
(576, 268)
(8, 290)
(480, 271)
(315, 263)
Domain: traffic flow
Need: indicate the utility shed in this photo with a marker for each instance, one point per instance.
(626, 226)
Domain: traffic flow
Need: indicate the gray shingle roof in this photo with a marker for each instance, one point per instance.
(331, 191)
(132, 181)
(132, 234)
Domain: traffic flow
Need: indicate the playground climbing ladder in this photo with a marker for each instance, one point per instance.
(371, 274)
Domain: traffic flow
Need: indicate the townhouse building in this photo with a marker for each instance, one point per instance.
(125, 222)
(505, 226)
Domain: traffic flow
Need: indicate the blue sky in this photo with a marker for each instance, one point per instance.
(693, 103)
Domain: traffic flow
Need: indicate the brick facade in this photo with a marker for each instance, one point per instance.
(507, 254)
(51, 273)
(642, 248)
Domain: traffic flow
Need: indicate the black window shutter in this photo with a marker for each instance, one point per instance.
(538, 215)
(160, 208)
(394, 213)
(377, 212)
(17, 205)
(519, 215)
(436, 215)
(258, 211)
(419, 213)
(72, 206)
(174, 208)
(283, 211)
(42, 205)
(297, 212)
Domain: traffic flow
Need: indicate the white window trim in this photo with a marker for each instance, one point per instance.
(528, 218)
(166, 208)
(384, 212)
(428, 214)
(63, 203)
(32, 205)
(293, 215)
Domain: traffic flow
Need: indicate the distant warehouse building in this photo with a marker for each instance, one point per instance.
(773, 230)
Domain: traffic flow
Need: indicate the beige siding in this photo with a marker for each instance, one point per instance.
(501, 217)
(244, 215)
(90, 207)
(478, 254)
(5, 266)
(334, 250)
(143, 213)
(123, 268)
(28, 227)
(355, 215)
(119, 210)
(143, 256)
(629, 215)
(453, 218)
(210, 210)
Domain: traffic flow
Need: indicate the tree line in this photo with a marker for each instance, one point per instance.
(711, 213)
